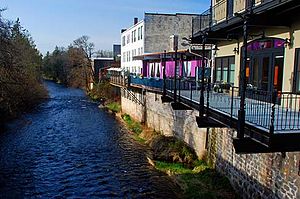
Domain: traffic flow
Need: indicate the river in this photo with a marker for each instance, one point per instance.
(68, 148)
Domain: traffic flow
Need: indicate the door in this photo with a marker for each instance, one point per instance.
(261, 72)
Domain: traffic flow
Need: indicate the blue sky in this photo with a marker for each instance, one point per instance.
(59, 22)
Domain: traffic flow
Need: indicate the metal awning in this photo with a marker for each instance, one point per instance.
(115, 69)
(169, 55)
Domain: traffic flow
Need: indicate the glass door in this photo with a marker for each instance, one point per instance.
(260, 72)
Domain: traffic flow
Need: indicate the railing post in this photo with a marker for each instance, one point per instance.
(231, 106)
(201, 108)
(164, 74)
(191, 94)
(274, 101)
(175, 76)
(241, 113)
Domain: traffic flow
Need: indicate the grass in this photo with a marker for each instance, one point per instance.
(199, 181)
(175, 168)
(114, 107)
(134, 127)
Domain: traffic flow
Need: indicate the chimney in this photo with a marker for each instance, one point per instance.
(135, 20)
(123, 30)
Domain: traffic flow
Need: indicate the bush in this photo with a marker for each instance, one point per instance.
(104, 91)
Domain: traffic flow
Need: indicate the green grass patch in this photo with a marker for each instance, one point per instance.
(175, 168)
(114, 107)
(200, 181)
(133, 126)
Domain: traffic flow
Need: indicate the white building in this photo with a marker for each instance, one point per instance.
(152, 34)
(132, 44)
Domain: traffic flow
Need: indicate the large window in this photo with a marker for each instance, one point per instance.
(225, 67)
(297, 71)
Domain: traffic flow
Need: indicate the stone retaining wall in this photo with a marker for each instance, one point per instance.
(267, 176)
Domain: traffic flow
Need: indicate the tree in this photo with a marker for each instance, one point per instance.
(20, 67)
(86, 47)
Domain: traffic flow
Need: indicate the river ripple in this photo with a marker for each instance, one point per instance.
(68, 148)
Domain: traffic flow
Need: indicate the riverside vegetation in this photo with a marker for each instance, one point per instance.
(21, 86)
(175, 158)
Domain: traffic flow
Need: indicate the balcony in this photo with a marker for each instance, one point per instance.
(272, 120)
(201, 22)
(224, 10)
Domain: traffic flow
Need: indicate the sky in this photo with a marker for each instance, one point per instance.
(58, 22)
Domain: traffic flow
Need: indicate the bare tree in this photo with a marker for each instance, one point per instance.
(87, 48)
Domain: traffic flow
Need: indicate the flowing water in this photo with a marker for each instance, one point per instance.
(68, 148)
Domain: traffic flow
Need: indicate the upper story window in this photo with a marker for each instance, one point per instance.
(141, 32)
(134, 35)
(123, 41)
(128, 38)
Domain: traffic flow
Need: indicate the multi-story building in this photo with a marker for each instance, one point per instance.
(257, 54)
(152, 34)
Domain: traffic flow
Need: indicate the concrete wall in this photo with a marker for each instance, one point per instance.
(159, 28)
(268, 176)
(161, 117)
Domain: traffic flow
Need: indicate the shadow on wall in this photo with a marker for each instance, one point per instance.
(254, 175)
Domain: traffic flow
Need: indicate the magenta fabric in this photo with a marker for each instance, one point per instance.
(170, 67)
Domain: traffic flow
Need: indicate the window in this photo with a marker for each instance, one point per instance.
(129, 56)
(124, 57)
(123, 41)
(134, 35)
(141, 32)
(225, 69)
(296, 81)
(128, 38)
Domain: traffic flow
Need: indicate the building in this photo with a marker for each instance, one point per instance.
(117, 52)
(152, 34)
(100, 63)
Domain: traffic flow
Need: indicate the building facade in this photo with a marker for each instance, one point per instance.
(152, 34)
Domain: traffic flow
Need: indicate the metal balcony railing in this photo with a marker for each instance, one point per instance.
(147, 82)
(275, 112)
(225, 9)
(201, 22)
